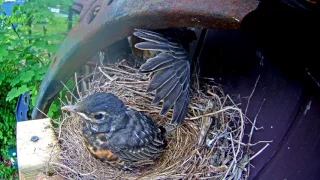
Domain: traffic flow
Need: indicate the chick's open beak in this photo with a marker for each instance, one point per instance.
(70, 108)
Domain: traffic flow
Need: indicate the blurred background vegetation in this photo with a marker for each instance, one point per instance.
(30, 33)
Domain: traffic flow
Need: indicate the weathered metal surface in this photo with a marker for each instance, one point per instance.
(288, 116)
(101, 24)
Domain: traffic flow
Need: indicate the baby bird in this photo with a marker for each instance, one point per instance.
(115, 133)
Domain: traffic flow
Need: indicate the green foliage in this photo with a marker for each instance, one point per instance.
(7, 126)
(6, 172)
(7, 133)
(25, 53)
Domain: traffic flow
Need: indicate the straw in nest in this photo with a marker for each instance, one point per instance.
(208, 145)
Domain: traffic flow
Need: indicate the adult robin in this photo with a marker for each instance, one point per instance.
(114, 133)
(171, 68)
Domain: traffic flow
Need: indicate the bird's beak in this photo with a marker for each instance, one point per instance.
(70, 108)
(73, 109)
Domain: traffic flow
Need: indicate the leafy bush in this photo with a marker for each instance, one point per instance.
(25, 51)
(6, 172)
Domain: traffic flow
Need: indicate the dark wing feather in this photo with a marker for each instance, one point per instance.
(140, 140)
(172, 79)
(164, 90)
(181, 107)
(160, 78)
(152, 46)
(157, 62)
(150, 37)
(301, 4)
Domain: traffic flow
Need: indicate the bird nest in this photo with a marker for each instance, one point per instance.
(208, 145)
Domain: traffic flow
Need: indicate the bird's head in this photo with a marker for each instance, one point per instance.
(98, 109)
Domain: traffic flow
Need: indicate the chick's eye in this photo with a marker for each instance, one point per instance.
(98, 116)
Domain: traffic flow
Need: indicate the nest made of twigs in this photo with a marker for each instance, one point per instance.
(208, 145)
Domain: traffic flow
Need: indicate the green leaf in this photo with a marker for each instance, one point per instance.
(40, 43)
(3, 50)
(15, 81)
(22, 89)
(27, 76)
(2, 36)
(16, 8)
(15, 92)
(2, 78)
(12, 94)
(53, 109)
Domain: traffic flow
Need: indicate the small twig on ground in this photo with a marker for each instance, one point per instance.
(259, 152)
(254, 88)
(216, 112)
(255, 127)
(251, 132)
(254, 124)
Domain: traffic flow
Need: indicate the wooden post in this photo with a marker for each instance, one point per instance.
(33, 157)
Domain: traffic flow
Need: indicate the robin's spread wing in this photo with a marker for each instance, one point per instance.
(172, 73)
(139, 140)
(302, 5)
